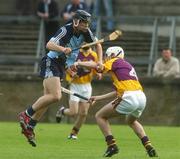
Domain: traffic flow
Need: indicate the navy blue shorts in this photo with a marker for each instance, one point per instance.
(52, 67)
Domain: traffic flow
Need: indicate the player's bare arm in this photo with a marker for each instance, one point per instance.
(99, 52)
(54, 47)
(89, 64)
(98, 66)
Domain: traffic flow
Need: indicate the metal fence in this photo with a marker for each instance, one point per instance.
(155, 24)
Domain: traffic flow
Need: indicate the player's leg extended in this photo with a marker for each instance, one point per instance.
(139, 130)
(71, 111)
(102, 117)
(81, 117)
(83, 106)
(29, 119)
(73, 108)
(37, 116)
(135, 109)
(52, 94)
(53, 86)
(136, 126)
(82, 114)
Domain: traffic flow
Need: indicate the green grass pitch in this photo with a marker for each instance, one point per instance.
(52, 142)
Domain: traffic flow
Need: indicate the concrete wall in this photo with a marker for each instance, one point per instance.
(163, 104)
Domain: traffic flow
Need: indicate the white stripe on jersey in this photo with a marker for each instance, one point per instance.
(91, 34)
(62, 34)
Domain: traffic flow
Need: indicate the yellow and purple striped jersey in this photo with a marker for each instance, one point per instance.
(123, 75)
(85, 75)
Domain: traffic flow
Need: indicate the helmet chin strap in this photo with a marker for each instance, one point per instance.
(76, 22)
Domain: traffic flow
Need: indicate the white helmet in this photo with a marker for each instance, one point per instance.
(116, 51)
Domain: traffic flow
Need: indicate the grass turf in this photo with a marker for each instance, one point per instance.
(52, 142)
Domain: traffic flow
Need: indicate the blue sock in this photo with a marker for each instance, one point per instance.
(30, 111)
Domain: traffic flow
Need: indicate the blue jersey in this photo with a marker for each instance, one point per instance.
(66, 37)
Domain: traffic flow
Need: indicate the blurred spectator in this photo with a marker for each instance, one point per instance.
(48, 10)
(90, 5)
(24, 7)
(109, 12)
(167, 65)
(71, 7)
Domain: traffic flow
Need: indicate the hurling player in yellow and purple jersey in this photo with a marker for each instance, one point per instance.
(130, 99)
(81, 84)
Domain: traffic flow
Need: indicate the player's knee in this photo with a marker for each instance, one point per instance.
(97, 116)
(83, 114)
(73, 113)
(130, 122)
(56, 97)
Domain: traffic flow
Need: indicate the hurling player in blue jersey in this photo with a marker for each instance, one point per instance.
(62, 53)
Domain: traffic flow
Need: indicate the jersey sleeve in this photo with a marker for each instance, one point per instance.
(89, 37)
(108, 66)
(94, 54)
(59, 35)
